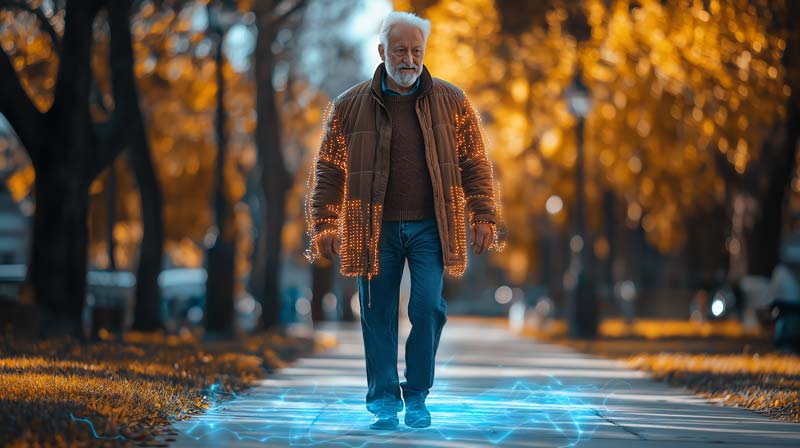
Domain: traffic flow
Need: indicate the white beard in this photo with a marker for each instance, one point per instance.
(401, 78)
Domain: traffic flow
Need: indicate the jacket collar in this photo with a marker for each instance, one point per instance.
(425, 84)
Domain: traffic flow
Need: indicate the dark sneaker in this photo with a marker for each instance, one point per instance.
(417, 415)
(384, 421)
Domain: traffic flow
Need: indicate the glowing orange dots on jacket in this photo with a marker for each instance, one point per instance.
(329, 210)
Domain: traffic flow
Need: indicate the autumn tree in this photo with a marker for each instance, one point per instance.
(302, 51)
(103, 102)
(147, 309)
(275, 180)
(67, 151)
(686, 100)
(177, 69)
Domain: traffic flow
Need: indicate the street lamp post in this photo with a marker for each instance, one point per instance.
(582, 304)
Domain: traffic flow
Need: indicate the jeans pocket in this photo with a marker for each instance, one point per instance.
(430, 235)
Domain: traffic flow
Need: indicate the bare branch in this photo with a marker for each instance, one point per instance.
(19, 110)
(113, 136)
(55, 39)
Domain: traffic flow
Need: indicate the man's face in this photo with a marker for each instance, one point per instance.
(404, 56)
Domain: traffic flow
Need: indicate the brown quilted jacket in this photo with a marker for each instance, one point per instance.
(347, 181)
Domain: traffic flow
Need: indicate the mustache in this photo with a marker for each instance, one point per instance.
(401, 65)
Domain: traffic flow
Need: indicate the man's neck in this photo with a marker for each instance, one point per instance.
(397, 87)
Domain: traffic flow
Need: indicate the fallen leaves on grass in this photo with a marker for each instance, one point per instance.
(720, 360)
(767, 383)
(649, 329)
(62, 393)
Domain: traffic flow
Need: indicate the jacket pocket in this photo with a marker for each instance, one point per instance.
(454, 207)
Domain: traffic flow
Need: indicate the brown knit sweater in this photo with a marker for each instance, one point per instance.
(409, 194)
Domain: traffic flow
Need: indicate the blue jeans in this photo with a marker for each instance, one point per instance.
(419, 242)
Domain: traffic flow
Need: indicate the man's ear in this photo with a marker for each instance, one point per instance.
(380, 52)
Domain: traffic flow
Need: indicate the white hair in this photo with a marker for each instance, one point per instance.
(406, 18)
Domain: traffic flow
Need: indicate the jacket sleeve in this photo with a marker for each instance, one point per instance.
(326, 182)
(477, 178)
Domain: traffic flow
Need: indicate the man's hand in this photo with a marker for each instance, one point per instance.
(480, 236)
(328, 245)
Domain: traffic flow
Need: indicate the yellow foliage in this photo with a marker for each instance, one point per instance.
(20, 183)
(667, 83)
(766, 383)
(679, 75)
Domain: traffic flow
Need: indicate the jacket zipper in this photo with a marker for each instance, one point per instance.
(369, 230)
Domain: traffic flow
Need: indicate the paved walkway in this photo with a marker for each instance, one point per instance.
(491, 388)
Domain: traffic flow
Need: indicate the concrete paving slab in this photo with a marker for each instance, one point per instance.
(492, 387)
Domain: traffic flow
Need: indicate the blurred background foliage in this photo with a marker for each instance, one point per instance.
(685, 140)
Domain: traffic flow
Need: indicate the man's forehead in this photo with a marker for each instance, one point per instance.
(402, 33)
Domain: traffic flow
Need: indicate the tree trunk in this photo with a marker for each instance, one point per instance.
(705, 248)
(219, 302)
(57, 268)
(67, 155)
(321, 284)
(147, 311)
(59, 255)
(764, 238)
(350, 288)
(111, 192)
(609, 224)
(221, 256)
(275, 181)
(270, 249)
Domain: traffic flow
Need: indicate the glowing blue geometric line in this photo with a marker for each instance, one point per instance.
(94, 432)
(329, 415)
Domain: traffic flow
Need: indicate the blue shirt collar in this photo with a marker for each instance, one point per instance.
(387, 91)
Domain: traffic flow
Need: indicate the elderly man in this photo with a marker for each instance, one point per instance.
(401, 160)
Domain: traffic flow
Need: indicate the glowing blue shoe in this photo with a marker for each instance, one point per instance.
(417, 415)
(383, 420)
